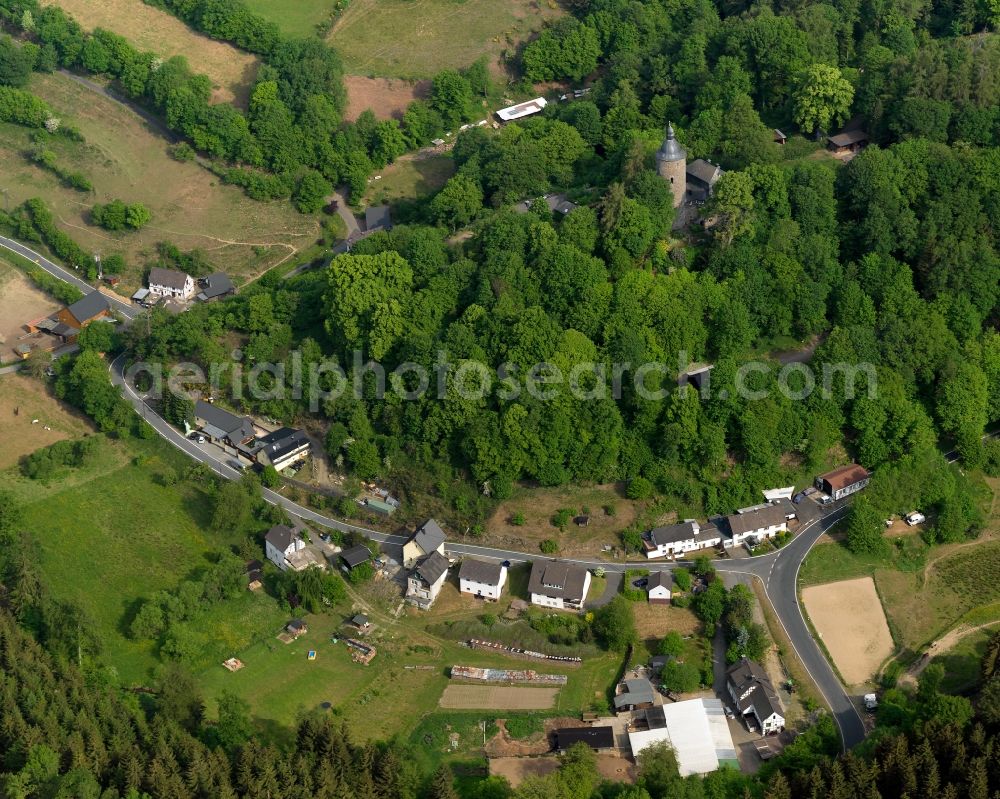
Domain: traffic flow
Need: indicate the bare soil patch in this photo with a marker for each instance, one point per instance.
(539, 505)
(849, 619)
(386, 97)
(20, 437)
(516, 769)
(497, 697)
(231, 71)
(20, 302)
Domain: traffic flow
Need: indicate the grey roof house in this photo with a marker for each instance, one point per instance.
(221, 425)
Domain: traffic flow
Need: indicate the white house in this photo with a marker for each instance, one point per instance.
(753, 694)
(760, 522)
(281, 543)
(427, 539)
(170, 283)
(521, 110)
(674, 539)
(659, 588)
(424, 583)
(482, 579)
(555, 584)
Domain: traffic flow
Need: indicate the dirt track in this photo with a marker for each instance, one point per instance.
(497, 697)
(939, 647)
(849, 619)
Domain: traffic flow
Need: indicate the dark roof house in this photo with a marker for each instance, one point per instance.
(430, 536)
(595, 737)
(281, 447)
(432, 567)
(377, 217)
(355, 556)
(219, 423)
(759, 519)
(638, 693)
(557, 579)
(214, 286)
(672, 533)
(89, 307)
(753, 692)
(479, 571)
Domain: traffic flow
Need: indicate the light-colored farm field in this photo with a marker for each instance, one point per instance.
(849, 619)
(406, 39)
(125, 159)
(31, 400)
(20, 302)
(231, 71)
(497, 697)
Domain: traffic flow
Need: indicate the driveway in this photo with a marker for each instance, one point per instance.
(614, 585)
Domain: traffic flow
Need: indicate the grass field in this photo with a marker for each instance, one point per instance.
(497, 697)
(539, 505)
(32, 401)
(231, 71)
(410, 177)
(125, 159)
(406, 39)
(296, 18)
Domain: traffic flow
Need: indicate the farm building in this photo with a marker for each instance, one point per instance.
(696, 730)
(848, 141)
(673, 539)
(425, 581)
(428, 538)
(67, 323)
(753, 694)
(844, 481)
(170, 283)
(600, 739)
(659, 588)
(222, 426)
(636, 694)
(214, 287)
(555, 584)
(282, 448)
(758, 523)
(280, 545)
(482, 579)
(351, 558)
(522, 110)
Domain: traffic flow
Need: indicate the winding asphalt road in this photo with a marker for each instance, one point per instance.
(778, 571)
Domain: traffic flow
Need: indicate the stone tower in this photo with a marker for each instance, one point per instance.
(671, 163)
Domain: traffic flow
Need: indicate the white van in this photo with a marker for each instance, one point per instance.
(915, 518)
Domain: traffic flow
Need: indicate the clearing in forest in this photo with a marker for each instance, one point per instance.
(407, 39)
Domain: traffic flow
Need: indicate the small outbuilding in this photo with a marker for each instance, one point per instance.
(848, 141)
(296, 627)
(354, 557)
(600, 739)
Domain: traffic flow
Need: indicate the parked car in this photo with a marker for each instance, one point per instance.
(237, 465)
(916, 517)
(642, 582)
(825, 499)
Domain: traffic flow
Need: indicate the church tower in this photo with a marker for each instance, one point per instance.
(671, 163)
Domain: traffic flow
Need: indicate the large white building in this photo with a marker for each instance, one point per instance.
(556, 584)
(482, 579)
(696, 730)
(673, 539)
